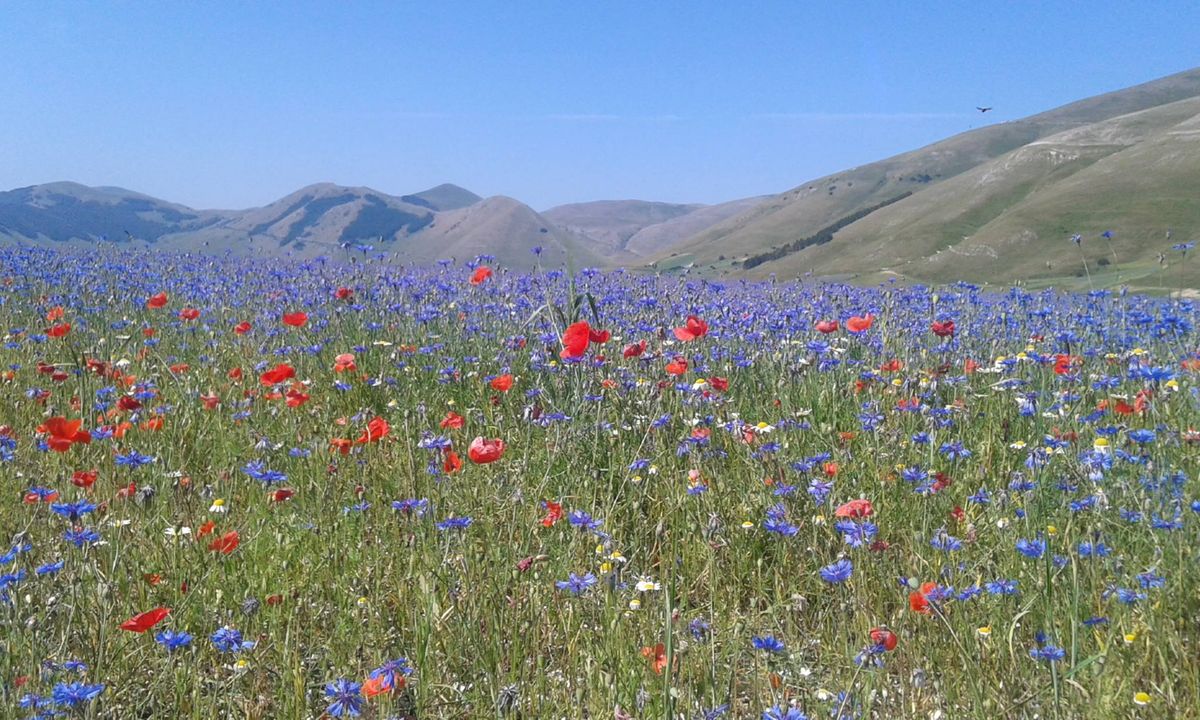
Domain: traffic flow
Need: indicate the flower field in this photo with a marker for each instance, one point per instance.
(272, 489)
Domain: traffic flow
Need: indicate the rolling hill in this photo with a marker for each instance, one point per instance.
(442, 222)
(996, 203)
(639, 227)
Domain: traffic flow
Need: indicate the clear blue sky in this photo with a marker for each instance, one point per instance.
(232, 105)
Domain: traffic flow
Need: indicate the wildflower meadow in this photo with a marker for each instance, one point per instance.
(346, 487)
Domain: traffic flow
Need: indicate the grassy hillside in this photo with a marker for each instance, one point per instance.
(891, 240)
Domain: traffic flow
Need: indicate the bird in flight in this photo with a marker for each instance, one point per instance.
(982, 109)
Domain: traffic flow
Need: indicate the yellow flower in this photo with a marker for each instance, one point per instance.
(1141, 698)
(747, 525)
(1130, 638)
(605, 567)
(984, 630)
(362, 602)
(218, 506)
(635, 604)
(1051, 530)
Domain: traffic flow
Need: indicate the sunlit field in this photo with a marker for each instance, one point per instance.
(263, 489)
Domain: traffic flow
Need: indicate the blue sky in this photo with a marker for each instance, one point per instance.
(232, 105)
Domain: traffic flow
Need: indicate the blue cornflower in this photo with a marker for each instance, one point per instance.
(173, 640)
(767, 642)
(345, 696)
(820, 490)
(49, 568)
(954, 450)
(838, 572)
(1142, 436)
(715, 712)
(583, 521)
(577, 584)
(257, 469)
(1031, 548)
(76, 693)
(455, 523)
(73, 510)
(229, 640)
(1001, 586)
(780, 526)
(856, 534)
(981, 497)
(80, 536)
(134, 459)
(699, 630)
(1049, 653)
(1150, 579)
(779, 713)
(944, 541)
(411, 506)
(392, 670)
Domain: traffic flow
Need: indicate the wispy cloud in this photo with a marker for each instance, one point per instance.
(882, 117)
(610, 117)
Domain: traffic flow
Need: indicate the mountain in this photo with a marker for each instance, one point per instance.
(442, 222)
(640, 227)
(64, 211)
(614, 222)
(443, 197)
(996, 203)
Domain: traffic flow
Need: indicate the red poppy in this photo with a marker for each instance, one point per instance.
(344, 362)
(657, 655)
(296, 397)
(481, 274)
(891, 365)
(282, 494)
(84, 478)
(156, 301)
(502, 382)
(145, 621)
(295, 319)
(207, 528)
(884, 637)
(943, 329)
(452, 420)
(55, 313)
(128, 403)
(343, 293)
(575, 340)
(827, 326)
(860, 508)
(58, 331)
(918, 600)
(599, 336)
(377, 429)
(278, 374)
(633, 350)
(719, 384)
(1064, 364)
(32, 498)
(452, 463)
(242, 328)
(483, 451)
(554, 513)
(64, 433)
(227, 543)
(678, 366)
(189, 313)
(342, 445)
(379, 685)
(694, 329)
(859, 324)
